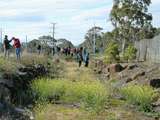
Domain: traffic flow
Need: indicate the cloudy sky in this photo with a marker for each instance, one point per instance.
(73, 17)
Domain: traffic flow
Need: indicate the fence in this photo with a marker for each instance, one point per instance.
(149, 49)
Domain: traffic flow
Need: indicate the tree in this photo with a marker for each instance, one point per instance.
(89, 37)
(130, 19)
(47, 40)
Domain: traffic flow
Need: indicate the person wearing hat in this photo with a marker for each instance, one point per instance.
(7, 46)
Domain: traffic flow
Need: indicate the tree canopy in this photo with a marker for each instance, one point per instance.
(131, 20)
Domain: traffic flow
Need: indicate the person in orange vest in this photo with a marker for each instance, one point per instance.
(17, 46)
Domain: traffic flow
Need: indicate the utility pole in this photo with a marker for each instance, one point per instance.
(1, 37)
(1, 33)
(94, 40)
(53, 31)
(26, 42)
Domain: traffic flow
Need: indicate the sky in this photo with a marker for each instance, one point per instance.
(33, 18)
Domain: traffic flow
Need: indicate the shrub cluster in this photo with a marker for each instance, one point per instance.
(90, 95)
(112, 53)
(139, 95)
(130, 53)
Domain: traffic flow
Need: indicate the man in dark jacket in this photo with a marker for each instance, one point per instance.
(7, 46)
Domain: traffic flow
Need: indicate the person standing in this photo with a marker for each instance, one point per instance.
(7, 46)
(87, 60)
(39, 48)
(80, 56)
(17, 46)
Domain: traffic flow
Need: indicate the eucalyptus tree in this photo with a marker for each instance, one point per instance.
(131, 20)
(94, 33)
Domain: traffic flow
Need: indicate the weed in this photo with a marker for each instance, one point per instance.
(8, 66)
(139, 95)
(91, 95)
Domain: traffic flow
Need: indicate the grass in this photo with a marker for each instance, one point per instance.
(8, 66)
(91, 95)
(59, 112)
(139, 95)
(32, 59)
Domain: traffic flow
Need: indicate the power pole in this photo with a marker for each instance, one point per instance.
(53, 31)
(94, 40)
(1, 37)
(1, 34)
(26, 42)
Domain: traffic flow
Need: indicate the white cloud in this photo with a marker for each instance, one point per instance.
(74, 17)
(93, 14)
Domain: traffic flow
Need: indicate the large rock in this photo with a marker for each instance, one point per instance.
(155, 83)
(138, 74)
(5, 94)
(114, 68)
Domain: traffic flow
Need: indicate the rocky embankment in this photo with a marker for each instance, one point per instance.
(13, 91)
(131, 73)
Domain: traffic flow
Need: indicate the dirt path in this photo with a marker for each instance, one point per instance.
(74, 73)
(117, 110)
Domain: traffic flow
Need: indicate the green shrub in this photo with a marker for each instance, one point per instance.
(112, 53)
(91, 95)
(130, 53)
(139, 95)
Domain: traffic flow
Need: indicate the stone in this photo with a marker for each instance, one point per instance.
(155, 83)
(138, 74)
(131, 67)
(57, 61)
(114, 68)
(129, 80)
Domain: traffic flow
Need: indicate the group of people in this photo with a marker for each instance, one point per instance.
(81, 54)
(7, 46)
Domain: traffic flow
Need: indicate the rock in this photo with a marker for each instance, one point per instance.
(131, 67)
(156, 106)
(57, 61)
(138, 74)
(155, 83)
(115, 68)
(99, 72)
(99, 63)
(105, 70)
(129, 80)
(1, 107)
(5, 94)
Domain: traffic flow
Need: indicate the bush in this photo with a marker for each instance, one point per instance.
(130, 53)
(91, 95)
(139, 95)
(112, 53)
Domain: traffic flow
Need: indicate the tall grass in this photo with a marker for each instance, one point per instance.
(8, 66)
(139, 95)
(32, 58)
(90, 95)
